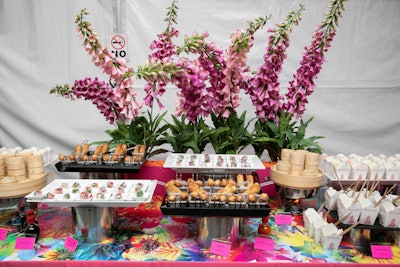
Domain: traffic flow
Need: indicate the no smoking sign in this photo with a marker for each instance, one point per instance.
(118, 45)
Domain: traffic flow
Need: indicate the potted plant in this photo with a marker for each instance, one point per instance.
(209, 81)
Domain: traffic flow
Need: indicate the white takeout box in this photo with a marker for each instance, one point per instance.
(392, 173)
(344, 209)
(359, 172)
(391, 219)
(377, 173)
(310, 215)
(330, 236)
(343, 172)
(331, 196)
(369, 215)
(317, 229)
(331, 242)
(389, 215)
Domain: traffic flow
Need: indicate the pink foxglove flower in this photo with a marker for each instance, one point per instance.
(116, 68)
(101, 95)
(193, 94)
(164, 50)
(302, 85)
(212, 81)
(264, 87)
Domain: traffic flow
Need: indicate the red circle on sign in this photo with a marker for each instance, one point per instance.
(118, 42)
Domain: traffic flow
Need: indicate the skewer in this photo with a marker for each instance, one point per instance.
(355, 187)
(342, 219)
(340, 183)
(359, 192)
(350, 228)
(327, 213)
(321, 207)
(349, 187)
(374, 186)
(367, 186)
(387, 192)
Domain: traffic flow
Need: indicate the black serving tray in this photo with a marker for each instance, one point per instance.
(213, 209)
(119, 167)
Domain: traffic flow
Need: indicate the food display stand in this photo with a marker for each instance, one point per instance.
(92, 201)
(217, 219)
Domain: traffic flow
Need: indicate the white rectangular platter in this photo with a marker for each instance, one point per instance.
(213, 161)
(94, 193)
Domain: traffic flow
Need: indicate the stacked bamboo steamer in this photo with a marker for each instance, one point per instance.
(297, 169)
(15, 167)
(2, 166)
(35, 166)
(21, 174)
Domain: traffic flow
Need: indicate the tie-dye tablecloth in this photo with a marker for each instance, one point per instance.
(147, 235)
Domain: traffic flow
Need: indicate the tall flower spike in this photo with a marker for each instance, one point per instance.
(235, 67)
(303, 84)
(119, 72)
(160, 65)
(263, 87)
(211, 60)
(192, 95)
(101, 95)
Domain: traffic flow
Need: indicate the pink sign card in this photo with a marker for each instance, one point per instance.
(263, 243)
(381, 251)
(283, 219)
(3, 234)
(70, 243)
(25, 243)
(221, 248)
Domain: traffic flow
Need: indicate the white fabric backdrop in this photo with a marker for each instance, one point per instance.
(356, 104)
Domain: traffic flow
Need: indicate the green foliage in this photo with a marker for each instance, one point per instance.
(148, 130)
(271, 136)
(226, 136)
(233, 136)
(185, 135)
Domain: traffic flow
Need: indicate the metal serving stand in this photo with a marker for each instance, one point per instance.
(92, 202)
(215, 219)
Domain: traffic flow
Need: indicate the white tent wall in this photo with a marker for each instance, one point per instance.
(355, 106)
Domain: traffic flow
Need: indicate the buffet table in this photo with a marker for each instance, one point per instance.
(143, 236)
(147, 237)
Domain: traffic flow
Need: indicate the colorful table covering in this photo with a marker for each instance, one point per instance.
(146, 235)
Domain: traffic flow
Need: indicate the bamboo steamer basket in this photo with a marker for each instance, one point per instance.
(34, 158)
(285, 154)
(35, 175)
(11, 187)
(35, 164)
(303, 181)
(2, 160)
(36, 170)
(16, 172)
(283, 166)
(15, 163)
(297, 158)
(312, 159)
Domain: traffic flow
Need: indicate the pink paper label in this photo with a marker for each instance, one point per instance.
(283, 219)
(3, 234)
(220, 248)
(25, 243)
(70, 244)
(264, 243)
(381, 252)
